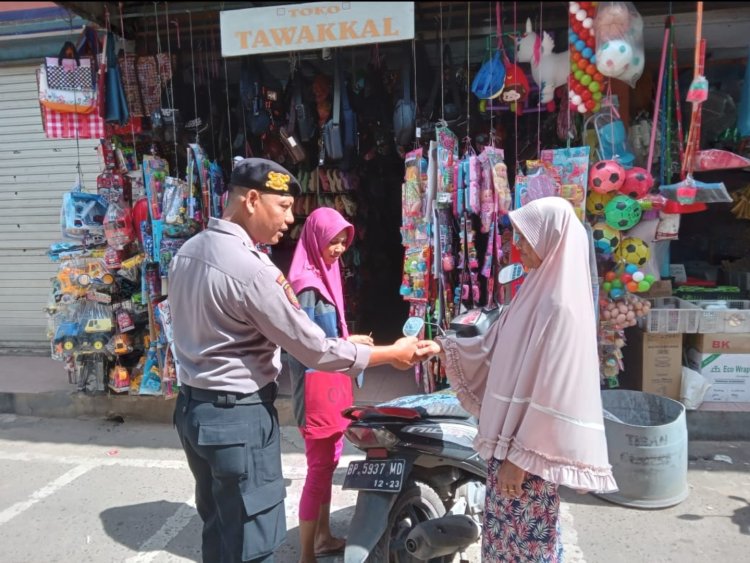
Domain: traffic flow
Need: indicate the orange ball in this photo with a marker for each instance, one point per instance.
(598, 77)
(610, 276)
(632, 287)
(590, 70)
(583, 63)
(576, 56)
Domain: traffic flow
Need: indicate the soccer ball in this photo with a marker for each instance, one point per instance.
(622, 213)
(606, 239)
(614, 57)
(596, 202)
(638, 182)
(606, 176)
(633, 251)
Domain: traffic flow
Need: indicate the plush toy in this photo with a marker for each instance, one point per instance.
(612, 21)
(549, 69)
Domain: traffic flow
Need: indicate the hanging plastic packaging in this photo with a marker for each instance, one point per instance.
(619, 41)
(118, 226)
(743, 117)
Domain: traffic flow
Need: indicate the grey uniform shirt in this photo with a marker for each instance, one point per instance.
(232, 310)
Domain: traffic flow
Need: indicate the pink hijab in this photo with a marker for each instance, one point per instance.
(540, 396)
(308, 269)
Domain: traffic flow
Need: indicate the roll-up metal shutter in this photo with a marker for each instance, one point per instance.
(34, 174)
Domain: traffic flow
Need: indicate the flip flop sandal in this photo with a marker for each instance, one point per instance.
(325, 182)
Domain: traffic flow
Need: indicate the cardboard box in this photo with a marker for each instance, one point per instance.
(653, 363)
(719, 343)
(729, 375)
(660, 288)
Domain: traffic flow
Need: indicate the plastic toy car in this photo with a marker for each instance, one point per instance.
(66, 336)
(94, 272)
(123, 344)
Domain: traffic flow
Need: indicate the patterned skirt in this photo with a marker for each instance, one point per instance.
(525, 529)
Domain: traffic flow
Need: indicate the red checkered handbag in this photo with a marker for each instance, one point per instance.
(58, 125)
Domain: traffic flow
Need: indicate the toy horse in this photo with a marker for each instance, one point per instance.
(549, 69)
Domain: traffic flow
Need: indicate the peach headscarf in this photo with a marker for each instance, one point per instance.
(537, 370)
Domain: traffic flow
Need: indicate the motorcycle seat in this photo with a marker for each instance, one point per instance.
(443, 404)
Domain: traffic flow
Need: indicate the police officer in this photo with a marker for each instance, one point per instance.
(232, 311)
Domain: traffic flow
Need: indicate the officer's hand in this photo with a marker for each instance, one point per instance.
(361, 339)
(404, 353)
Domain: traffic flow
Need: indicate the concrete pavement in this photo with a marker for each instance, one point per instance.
(91, 490)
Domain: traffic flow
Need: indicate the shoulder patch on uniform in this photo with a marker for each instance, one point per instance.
(287, 287)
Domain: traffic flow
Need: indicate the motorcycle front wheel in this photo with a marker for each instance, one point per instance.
(417, 503)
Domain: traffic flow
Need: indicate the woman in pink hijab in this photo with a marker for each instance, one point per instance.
(319, 397)
(533, 381)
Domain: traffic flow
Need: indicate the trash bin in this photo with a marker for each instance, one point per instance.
(647, 445)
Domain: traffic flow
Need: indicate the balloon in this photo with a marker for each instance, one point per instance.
(637, 276)
(632, 287)
(586, 80)
(644, 285)
(593, 86)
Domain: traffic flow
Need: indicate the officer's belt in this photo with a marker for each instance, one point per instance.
(225, 399)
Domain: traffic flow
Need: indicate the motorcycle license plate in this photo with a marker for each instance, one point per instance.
(383, 475)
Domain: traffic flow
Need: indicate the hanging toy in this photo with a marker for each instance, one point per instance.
(606, 238)
(596, 202)
(606, 176)
(623, 213)
(586, 83)
(549, 69)
(618, 28)
(638, 182)
(118, 226)
(633, 251)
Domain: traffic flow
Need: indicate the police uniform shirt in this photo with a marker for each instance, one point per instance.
(232, 310)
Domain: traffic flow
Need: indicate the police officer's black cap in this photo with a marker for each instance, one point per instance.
(265, 176)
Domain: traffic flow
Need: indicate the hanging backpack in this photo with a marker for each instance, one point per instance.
(405, 112)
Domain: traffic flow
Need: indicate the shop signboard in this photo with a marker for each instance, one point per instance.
(317, 25)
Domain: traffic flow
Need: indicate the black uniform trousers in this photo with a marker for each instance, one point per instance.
(233, 447)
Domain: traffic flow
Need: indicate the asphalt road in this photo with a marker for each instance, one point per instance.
(75, 490)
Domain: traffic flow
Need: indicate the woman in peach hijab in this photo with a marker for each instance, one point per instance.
(533, 381)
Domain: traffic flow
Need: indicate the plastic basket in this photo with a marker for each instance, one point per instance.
(730, 316)
(671, 315)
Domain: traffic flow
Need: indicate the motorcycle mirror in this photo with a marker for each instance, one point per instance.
(510, 273)
(413, 326)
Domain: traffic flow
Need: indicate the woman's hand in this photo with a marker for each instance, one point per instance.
(361, 339)
(429, 348)
(510, 479)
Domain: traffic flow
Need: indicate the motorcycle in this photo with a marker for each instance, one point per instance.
(422, 485)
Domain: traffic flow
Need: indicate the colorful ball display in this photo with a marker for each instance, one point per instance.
(596, 202)
(638, 182)
(606, 176)
(622, 213)
(606, 239)
(633, 251)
